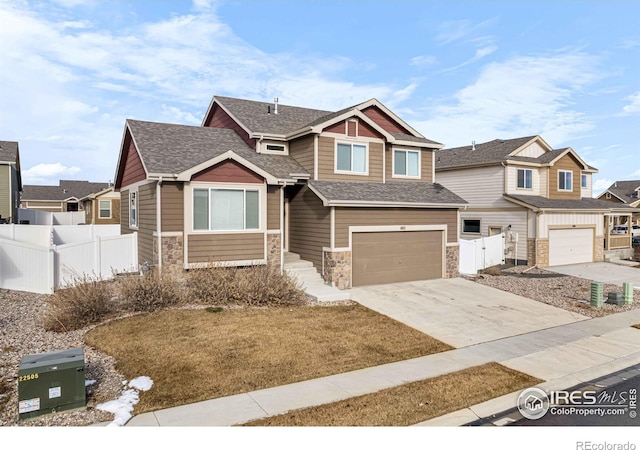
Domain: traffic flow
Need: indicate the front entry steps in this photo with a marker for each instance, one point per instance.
(311, 281)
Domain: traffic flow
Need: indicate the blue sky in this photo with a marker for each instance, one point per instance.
(74, 70)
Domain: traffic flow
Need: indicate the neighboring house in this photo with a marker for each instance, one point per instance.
(10, 181)
(624, 192)
(64, 197)
(539, 197)
(351, 191)
(102, 208)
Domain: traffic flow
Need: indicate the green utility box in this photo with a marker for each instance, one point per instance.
(597, 294)
(49, 382)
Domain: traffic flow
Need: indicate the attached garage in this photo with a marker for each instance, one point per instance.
(570, 246)
(394, 256)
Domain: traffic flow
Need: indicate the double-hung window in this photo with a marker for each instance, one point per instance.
(524, 179)
(565, 182)
(351, 158)
(133, 209)
(226, 209)
(104, 209)
(583, 180)
(406, 163)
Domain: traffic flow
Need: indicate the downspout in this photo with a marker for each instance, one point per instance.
(159, 219)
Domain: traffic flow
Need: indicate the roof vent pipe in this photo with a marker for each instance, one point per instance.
(268, 109)
(473, 146)
(615, 184)
(275, 105)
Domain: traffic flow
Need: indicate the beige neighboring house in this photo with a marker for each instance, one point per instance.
(10, 181)
(626, 193)
(102, 208)
(64, 197)
(539, 197)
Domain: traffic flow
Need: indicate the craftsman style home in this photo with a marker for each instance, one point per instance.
(351, 191)
(540, 198)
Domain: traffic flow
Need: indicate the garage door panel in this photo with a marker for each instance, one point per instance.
(570, 246)
(387, 257)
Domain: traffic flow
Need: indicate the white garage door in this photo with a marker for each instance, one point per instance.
(570, 246)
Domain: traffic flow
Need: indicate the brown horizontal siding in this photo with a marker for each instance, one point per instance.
(302, 151)
(382, 119)
(172, 196)
(273, 207)
(309, 225)
(146, 222)
(204, 248)
(124, 213)
(133, 168)
(346, 217)
(45, 206)
(426, 166)
(326, 162)
(94, 212)
(218, 118)
(228, 172)
(567, 162)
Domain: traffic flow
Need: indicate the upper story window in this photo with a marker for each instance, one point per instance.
(351, 158)
(104, 209)
(583, 180)
(275, 147)
(406, 163)
(565, 180)
(525, 177)
(133, 209)
(226, 209)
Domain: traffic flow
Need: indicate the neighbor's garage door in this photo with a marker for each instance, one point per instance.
(389, 257)
(570, 246)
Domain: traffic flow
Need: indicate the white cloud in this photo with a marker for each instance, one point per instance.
(47, 173)
(634, 105)
(636, 173)
(600, 185)
(423, 60)
(479, 54)
(456, 30)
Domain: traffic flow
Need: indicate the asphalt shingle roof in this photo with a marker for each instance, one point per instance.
(390, 192)
(64, 190)
(495, 151)
(549, 203)
(8, 151)
(625, 190)
(172, 149)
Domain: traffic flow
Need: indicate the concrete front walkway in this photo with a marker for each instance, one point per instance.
(460, 312)
(601, 271)
(562, 356)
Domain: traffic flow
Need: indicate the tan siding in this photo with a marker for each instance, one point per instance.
(346, 217)
(567, 162)
(172, 196)
(94, 214)
(124, 213)
(326, 162)
(302, 151)
(146, 222)
(5, 192)
(46, 206)
(273, 208)
(309, 226)
(426, 166)
(204, 248)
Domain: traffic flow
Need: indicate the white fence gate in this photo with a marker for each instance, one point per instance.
(481, 253)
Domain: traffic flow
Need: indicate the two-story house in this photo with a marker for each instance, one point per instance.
(352, 191)
(624, 192)
(540, 198)
(10, 181)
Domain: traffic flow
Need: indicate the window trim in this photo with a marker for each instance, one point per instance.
(393, 164)
(472, 232)
(524, 179)
(583, 181)
(262, 148)
(133, 223)
(101, 209)
(262, 205)
(560, 174)
(351, 172)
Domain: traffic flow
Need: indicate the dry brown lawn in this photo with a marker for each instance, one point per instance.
(636, 326)
(193, 355)
(411, 403)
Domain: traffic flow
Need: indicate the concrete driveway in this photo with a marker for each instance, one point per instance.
(460, 312)
(602, 271)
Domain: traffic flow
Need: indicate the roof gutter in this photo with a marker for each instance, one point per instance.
(159, 219)
(358, 203)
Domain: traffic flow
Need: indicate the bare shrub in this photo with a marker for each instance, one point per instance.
(262, 285)
(151, 291)
(87, 301)
(493, 271)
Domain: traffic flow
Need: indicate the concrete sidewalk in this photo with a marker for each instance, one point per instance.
(563, 356)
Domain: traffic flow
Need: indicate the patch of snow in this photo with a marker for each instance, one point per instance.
(122, 407)
(88, 383)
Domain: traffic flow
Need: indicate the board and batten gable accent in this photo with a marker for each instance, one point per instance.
(172, 208)
(146, 222)
(218, 118)
(426, 165)
(566, 163)
(206, 248)
(133, 168)
(309, 225)
(273, 208)
(347, 217)
(326, 161)
(228, 172)
(301, 150)
(353, 128)
(383, 120)
(533, 150)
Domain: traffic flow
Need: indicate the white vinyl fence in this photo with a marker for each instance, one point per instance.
(26, 267)
(45, 235)
(35, 217)
(481, 253)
